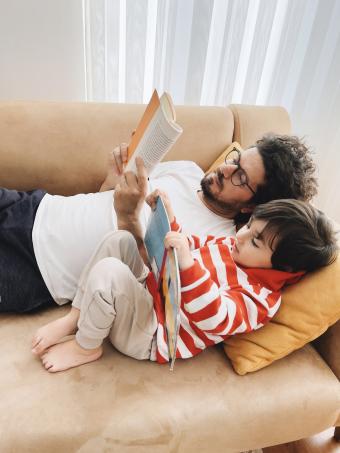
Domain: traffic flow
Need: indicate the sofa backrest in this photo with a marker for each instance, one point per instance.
(63, 147)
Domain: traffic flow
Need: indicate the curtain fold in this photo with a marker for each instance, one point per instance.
(217, 52)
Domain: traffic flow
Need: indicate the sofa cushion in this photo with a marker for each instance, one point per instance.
(121, 404)
(252, 122)
(220, 159)
(308, 308)
(63, 147)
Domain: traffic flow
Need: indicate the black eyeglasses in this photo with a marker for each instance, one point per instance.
(239, 177)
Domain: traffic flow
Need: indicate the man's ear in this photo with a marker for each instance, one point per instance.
(247, 209)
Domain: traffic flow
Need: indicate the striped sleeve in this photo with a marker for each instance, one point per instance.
(216, 312)
(196, 242)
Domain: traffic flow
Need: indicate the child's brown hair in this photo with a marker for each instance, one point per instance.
(302, 237)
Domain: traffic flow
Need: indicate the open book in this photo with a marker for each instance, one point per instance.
(156, 132)
(165, 267)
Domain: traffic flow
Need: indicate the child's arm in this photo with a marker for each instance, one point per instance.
(180, 242)
(195, 242)
(216, 311)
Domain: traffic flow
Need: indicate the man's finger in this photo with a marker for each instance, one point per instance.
(131, 179)
(118, 160)
(124, 152)
(123, 182)
(141, 175)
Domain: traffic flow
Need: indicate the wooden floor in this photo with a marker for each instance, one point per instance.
(320, 443)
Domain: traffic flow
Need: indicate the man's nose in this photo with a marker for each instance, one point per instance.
(228, 169)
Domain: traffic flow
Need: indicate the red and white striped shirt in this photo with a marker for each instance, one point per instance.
(218, 298)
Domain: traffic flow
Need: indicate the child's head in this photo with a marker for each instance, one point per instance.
(288, 235)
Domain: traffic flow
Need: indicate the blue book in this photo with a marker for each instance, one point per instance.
(164, 264)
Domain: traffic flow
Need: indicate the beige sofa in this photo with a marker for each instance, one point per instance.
(119, 404)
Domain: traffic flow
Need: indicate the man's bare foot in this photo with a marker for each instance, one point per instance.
(54, 331)
(67, 355)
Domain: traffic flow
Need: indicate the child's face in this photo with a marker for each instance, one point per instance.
(251, 249)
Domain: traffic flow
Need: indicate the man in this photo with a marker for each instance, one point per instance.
(46, 240)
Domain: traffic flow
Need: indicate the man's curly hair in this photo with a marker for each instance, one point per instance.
(289, 169)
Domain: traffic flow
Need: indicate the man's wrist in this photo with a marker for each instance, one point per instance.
(127, 221)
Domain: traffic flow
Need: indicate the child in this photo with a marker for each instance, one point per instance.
(228, 286)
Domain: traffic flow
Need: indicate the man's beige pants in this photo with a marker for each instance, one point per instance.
(113, 300)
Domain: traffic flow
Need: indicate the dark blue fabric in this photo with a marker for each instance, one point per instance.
(22, 287)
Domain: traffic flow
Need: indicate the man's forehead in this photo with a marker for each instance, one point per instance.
(249, 153)
(252, 163)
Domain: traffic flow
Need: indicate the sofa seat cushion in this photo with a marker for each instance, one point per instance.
(121, 404)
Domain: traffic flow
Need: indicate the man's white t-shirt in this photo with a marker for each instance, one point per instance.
(67, 230)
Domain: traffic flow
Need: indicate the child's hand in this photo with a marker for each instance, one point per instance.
(151, 200)
(180, 242)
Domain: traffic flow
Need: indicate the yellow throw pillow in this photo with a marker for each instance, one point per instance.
(221, 157)
(308, 308)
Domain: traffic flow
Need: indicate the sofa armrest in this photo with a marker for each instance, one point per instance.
(328, 346)
(251, 122)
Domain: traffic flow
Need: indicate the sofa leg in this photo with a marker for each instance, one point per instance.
(337, 433)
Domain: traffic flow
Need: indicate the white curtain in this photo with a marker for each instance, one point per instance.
(217, 52)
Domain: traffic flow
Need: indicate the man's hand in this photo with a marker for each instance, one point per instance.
(128, 200)
(151, 200)
(117, 160)
(180, 242)
(130, 194)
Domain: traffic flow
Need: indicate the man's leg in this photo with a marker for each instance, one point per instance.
(22, 287)
(114, 303)
(118, 244)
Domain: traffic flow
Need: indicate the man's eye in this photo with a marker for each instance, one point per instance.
(254, 243)
(242, 177)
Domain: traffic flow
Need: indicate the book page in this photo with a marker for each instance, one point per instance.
(171, 294)
(148, 114)
(157, 138)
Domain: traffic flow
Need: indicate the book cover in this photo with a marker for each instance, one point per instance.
(164, 264)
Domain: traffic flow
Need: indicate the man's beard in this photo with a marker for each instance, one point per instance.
(222, 206)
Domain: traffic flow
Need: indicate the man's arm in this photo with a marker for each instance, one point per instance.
(129, 197)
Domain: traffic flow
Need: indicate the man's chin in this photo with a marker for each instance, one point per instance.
(206, 184)
(224, 207)
(215, 204)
